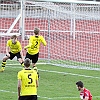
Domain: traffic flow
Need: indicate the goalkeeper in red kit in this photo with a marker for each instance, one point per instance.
(84, 93)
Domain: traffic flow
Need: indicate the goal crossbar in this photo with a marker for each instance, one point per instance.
(71, 1)
(61, 9)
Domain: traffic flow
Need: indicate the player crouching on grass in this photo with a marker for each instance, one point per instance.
(13, 49)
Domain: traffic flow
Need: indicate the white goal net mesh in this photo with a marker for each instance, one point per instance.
(9, 11)
(72, 31)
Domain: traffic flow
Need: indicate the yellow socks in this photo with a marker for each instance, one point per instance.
(2, 69)
(3, 66)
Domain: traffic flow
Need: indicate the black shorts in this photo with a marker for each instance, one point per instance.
(34, 58)
(31, 97)
(13, 55)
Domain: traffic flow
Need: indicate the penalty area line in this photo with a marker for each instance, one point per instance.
(6, 91)
(53, 98)
(65, 73)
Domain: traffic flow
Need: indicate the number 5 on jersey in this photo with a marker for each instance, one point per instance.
(30, 79)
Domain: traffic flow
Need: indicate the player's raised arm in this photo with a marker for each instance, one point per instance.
(30, 43)
(43, 41)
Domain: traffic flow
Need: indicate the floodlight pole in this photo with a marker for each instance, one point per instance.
(22, 20)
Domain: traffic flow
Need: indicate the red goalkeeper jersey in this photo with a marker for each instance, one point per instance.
(85, 93)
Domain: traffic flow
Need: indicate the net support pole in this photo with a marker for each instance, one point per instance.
(74, 26)
(22, 20)
(48, 36)
(13, 24)
(71, 27)
(72, 32)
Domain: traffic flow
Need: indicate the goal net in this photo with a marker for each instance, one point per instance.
(71, 29)
(9, 22)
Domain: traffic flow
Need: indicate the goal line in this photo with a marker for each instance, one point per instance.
(65, 66)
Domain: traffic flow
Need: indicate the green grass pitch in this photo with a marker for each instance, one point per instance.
(55, 83)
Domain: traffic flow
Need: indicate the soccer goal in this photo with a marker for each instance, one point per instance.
(71, 29)
(11, 21)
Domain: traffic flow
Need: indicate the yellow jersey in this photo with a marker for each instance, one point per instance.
(34, 44)
(14, 48)
(28, 79)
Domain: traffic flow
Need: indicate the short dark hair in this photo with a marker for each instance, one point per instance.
(27, 62)
(80, 84)
(13, 37)
(36, 31)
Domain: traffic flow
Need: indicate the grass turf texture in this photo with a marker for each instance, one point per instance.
(55, 83)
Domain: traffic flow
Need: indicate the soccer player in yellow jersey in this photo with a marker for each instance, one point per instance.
(33, 46)
(13, 49)
(27, 82)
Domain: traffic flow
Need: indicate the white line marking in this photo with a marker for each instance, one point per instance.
(16, 92)
(7, 91)
(63, 73)
(58, 73)
(70, 74)
(17, 64)
(47, 97)
(65, 66)
(77, 67)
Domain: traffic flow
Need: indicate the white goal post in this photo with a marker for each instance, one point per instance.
(71, 29)
(17, 8)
